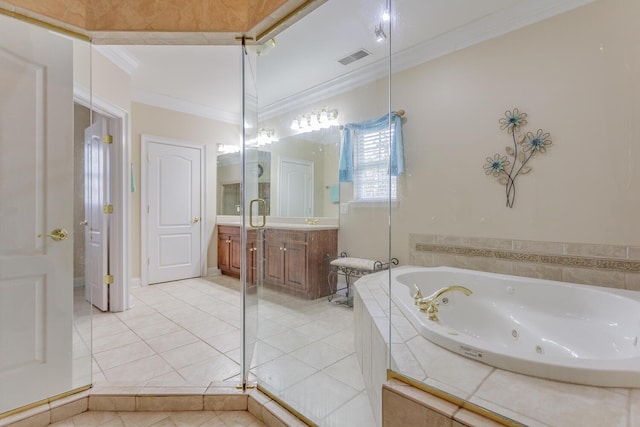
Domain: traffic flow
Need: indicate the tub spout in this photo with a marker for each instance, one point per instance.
(430, 304)
(418, 296)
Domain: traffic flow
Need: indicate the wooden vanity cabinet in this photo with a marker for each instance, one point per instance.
(295, 261)
(230, 252)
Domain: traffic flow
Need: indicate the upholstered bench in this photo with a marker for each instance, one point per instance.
(351, 267)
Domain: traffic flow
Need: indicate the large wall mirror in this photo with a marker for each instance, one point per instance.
(297, 176)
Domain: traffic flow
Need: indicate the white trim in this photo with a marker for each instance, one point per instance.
(483, 29)
(183, 106)
(120, 57)
(120, 184)
(147, 139)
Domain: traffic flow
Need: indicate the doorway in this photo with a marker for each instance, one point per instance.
(88, 108)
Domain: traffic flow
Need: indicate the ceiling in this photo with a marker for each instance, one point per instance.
(206, 80)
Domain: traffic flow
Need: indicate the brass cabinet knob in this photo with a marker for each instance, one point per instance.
(57, 235)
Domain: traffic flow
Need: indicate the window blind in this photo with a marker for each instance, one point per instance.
(371, 180)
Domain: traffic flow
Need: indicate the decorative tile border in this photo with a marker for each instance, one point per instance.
(562, 260)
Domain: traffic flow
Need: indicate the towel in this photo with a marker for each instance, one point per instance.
(334, 193)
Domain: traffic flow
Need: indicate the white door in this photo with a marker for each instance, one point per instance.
(36, 197)
(97, 195)
(174, 217)
(296, 188)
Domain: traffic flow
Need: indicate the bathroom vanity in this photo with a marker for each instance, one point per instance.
(294, 256)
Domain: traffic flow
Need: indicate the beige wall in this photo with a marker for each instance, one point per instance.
(156, 121)
(576, 80)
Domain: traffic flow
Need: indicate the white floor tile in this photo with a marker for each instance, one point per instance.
(188, 332)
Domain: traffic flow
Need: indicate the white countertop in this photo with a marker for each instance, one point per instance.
(284, 223)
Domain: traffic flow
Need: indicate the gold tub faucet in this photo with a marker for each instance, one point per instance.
(430, 304)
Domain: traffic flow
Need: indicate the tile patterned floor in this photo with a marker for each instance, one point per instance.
(162, 419)
(188, 332)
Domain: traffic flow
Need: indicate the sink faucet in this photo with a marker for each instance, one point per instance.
(430, 305)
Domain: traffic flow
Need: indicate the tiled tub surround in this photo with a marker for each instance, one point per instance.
(612, 266)
(219, 404)
(527, 400)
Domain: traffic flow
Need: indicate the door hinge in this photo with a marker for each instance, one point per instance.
(107, 139)
(108, 209)
(108, 279)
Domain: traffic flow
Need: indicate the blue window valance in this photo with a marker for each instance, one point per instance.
(349, 134)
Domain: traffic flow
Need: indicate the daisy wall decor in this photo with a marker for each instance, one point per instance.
(516, 162)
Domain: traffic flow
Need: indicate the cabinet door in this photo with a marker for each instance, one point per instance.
(274, 262)
(224, 255)
(236, 254)
(295, 266)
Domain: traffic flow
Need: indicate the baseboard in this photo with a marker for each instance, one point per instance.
(135, 282)
(78, 282)
(213, 272)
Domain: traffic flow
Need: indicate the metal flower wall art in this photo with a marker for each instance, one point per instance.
(527, 145)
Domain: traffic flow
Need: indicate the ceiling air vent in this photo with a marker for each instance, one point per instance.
(354, 57)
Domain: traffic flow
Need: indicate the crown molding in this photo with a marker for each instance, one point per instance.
(481, 30)
(120, 57)
(182, 106)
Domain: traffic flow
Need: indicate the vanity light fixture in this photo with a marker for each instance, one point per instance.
(266, 136)
(228, 148)
(323, 119)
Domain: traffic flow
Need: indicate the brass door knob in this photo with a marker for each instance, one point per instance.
(58, 234)
(196, 219)
(85, 222)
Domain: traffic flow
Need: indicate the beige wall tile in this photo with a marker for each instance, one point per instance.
(490, 243)
(274, 414)
(471, 419)
(586, 276)
(38, 420)
(632, 281)
(539, 271)
(634, 252)
(606, 251)
(423, 398)
(63, 410)
(169, 403)
(549, 248)
(34, 417)
(399, 411)
(112, 403)
(225, 402)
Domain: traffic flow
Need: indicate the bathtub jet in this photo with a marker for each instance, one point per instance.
(555, 330)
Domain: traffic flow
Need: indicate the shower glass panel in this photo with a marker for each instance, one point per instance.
(254, 211)
(551, 195)
(323, 73)
(45, 324)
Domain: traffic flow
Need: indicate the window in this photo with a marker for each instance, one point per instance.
(371, 180)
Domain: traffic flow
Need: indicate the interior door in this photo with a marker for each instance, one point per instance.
(36, 200)
(97, 195)
(174, 185)
(296, 188)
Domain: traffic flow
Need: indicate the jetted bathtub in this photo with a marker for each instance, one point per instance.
(555, 330)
